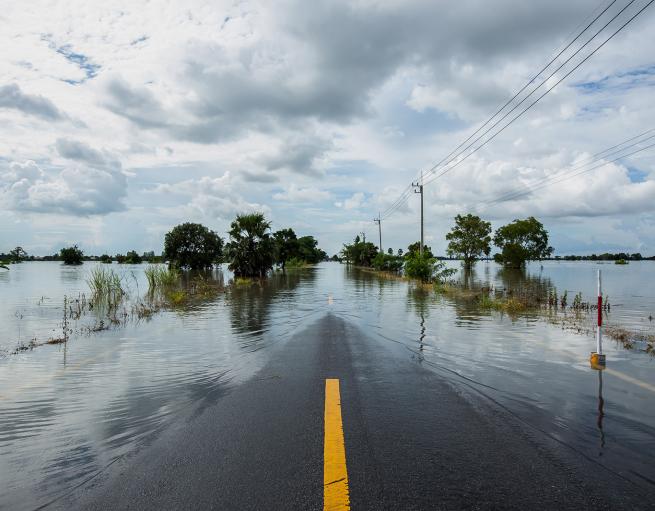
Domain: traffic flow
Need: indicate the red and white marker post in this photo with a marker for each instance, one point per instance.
(597, 358)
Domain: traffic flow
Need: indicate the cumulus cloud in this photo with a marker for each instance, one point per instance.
(12, 97)
(356, 201)
(211, 197)
(76, 190)
(296, 194)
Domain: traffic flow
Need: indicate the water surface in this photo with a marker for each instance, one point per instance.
(68, 411)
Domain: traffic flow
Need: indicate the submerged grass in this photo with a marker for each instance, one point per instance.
(106, 285)
(160, 277)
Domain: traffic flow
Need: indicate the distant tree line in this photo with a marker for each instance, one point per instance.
(605, 257)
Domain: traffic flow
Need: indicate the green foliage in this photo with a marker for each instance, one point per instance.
(105, 258)
(308, 250)
(192, 246)
(295, 262)
(415, 248)
(160, 277)
(105, 285)
(286, 245)
(521, 241)
(132, 258)
(426, 268)
(17, 255)
(251, 249)
(304, 249)
(469, 238)
(71, 255)
(359, 253)
(388, 262)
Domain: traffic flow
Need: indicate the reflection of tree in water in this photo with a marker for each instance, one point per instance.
(250, 303)
(517, 282)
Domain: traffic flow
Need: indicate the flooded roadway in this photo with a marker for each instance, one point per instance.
(70, 413)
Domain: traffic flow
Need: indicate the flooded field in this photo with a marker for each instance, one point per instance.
(68, 411)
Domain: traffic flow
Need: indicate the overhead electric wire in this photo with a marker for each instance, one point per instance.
(598, 157)
(494, 135)
(407, 191)
(454, 151)
(565, 177)
(405, 194)
(459, 162)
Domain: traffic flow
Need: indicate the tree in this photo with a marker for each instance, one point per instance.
(251, 249)
(308, 250)
(425, 267)
(286, 245)
(193, 246)
(105, 258)
(71, 255)
(469, 238)
(359, 252)
(133, 258)
(17, 255)
(415, 248)
(521, 241)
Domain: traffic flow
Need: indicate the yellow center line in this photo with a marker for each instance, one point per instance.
(335, 475)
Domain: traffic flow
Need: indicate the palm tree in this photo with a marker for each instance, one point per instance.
(251, 249)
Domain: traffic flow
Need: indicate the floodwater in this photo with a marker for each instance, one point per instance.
(69, 411)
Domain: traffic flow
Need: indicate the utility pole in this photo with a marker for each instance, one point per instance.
(363, 236)
(418, 188)
(378, 221)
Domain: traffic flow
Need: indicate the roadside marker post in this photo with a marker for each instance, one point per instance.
(597, 358)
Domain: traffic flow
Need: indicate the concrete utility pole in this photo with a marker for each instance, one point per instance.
(378, 221)
(418, 188)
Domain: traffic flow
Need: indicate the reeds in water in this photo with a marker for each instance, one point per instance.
(106, 285)
(160, 277)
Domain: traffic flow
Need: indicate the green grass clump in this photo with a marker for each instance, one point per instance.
(161, 278)
(105, 285)
(295, 262)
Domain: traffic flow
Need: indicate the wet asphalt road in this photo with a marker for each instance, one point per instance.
(413, 440)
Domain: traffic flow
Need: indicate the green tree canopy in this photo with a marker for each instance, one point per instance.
(308, 250)
(359, 252)
(192, 246)
(521, 241)
(17, 255)
(71, 255)
(469, 238)
(286, 245)
(251, 249)
(415, 248)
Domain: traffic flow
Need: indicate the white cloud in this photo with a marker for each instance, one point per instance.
(294, 193)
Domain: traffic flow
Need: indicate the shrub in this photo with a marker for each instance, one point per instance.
(71, 255)
(425, 268)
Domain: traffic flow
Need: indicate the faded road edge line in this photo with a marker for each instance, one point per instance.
(335, 476)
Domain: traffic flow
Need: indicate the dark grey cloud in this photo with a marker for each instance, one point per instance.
(81, 152)
(12, 97)
(336, 55)
(298, 155)
(258, 177)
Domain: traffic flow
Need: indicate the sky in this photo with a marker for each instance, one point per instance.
(120, 120)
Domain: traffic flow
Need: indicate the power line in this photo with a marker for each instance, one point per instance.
(402, 200)
(531, 81)
(445, 171)
(601, 156)
(564, 177)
